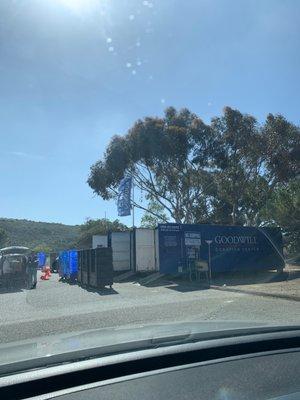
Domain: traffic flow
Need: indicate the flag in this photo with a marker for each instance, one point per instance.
(124, 197)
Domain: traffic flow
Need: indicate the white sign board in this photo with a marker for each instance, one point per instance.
(192, 239)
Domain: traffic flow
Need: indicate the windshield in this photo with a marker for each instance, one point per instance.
(150, 165)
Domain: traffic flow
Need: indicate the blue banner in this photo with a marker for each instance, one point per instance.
(124, 195)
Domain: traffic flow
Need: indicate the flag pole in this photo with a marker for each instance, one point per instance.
(132, 202)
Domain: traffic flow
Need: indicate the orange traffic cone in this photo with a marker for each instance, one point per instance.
(46, 273)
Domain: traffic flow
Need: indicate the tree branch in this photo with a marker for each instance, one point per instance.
(144, 184)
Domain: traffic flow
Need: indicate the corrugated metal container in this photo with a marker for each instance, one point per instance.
(100, 241)
(101, 268)
(224, 248)
(121, 250)
(53, 257)
(84, 267)
(144, 250)
(92, 269)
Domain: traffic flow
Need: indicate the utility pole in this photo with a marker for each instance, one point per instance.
(106, 224)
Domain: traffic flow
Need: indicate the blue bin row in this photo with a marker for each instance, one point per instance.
(68, 264)
(41, 259)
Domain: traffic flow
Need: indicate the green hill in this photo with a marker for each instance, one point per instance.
(37, 235)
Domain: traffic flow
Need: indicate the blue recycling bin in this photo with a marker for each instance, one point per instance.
(41, 259)
(64, 265)
(73, 264)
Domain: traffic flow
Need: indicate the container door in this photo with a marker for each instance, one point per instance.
(171, 259)
(120, 243)
(145, 250)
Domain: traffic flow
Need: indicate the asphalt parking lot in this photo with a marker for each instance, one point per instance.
(56, 307)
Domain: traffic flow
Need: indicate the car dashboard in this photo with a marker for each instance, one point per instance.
(257, 366)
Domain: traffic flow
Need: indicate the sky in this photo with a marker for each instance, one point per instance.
(73, 73)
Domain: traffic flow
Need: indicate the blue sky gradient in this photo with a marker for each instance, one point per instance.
(75, 72)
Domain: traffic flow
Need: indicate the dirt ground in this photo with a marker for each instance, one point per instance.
(269, 283)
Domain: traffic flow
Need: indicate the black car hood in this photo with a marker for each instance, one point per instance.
(55, 349)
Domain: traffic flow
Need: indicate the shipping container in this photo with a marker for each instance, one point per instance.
(223, 248)
(120, 242)
(143, 257)
(99, 241)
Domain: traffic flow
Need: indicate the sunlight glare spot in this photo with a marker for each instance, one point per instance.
(131, 17)
(79, 6)
(128, 65)
(133, 72)
(111, 49)
(109, 40)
